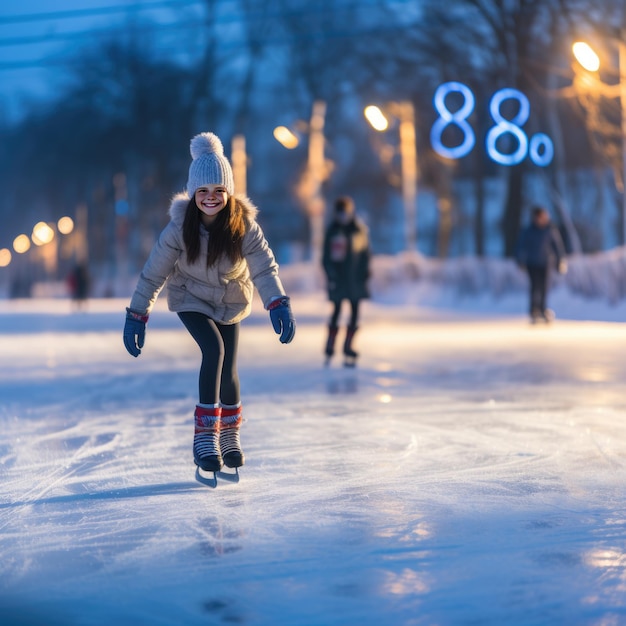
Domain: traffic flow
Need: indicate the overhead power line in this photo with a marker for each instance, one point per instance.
(83, 34)
(234, 44)
(172, 4)
(77, 13)
(230, 18)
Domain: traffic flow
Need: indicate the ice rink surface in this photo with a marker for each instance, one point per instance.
(471, 470)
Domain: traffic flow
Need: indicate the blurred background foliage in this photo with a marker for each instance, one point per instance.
(128, 100)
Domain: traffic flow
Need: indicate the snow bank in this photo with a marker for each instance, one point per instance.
(593, 281)
(599, 276)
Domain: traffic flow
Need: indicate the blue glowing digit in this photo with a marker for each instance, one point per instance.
(458, 118)
(538, 141)
(539, 148)
(504, 126)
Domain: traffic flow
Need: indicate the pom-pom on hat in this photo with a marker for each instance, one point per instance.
(209, 165)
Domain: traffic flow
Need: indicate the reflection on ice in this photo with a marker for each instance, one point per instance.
(384, 381)
(612, 565)
(218, 538)
(467, 472)
(595, 372)
(340, 384)
(607, 559)
(421, 531)
(383, 367)
(406, 582)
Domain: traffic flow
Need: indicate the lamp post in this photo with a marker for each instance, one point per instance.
(239, 160)
(590, 61)
(405, 114)
(309, 188)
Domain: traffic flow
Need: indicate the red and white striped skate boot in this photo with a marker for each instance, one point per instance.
(206, 439)
(230, 445)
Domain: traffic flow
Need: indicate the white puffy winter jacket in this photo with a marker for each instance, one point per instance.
(224, 291)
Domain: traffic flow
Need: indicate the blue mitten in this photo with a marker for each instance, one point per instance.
(134, 332)
(282, 319)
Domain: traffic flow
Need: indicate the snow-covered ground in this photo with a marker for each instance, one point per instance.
(470, 471)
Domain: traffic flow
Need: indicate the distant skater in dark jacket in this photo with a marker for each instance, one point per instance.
(540, 249)
(346, 258)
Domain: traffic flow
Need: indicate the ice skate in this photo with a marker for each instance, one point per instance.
(329, 351)
(349, 360)
(206, 440)
(230, 445)
(349, 354)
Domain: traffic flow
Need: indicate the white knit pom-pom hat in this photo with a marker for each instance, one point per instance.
(209, 165)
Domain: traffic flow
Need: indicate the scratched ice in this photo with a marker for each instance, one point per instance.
(471, 470)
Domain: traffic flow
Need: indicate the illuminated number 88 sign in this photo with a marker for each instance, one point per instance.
(539, 147)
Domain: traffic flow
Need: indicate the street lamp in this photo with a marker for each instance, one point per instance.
(405, 114)
(586, 56)
(590, 61)
(286, 138)
(309, 188)
(376, 118)
(21, 244)
(239, 160)
(5, 257)
(42, 234)
(65, 225)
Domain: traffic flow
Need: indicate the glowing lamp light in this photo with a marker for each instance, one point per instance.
(285, 137)
(21, 244)
(42, 234)
(586, 56)
(65, 225)
(5, 257)
(376, 118)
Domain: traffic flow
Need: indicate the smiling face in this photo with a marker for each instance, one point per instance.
(210, 199)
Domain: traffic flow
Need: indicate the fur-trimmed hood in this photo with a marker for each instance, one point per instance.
(181, 200)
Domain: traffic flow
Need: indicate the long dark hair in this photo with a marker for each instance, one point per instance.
(226, 233)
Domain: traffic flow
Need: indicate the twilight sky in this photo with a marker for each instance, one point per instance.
(37, 36)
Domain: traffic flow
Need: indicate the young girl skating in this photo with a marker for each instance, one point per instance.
(210, 255)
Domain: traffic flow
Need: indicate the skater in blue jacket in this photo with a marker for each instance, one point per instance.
(211, 255)
(539, 250)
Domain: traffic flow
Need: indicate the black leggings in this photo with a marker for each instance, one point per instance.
(354, 313)
(539, 276)
(219, 379)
